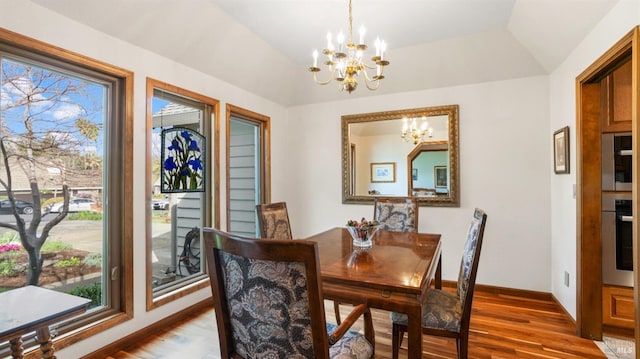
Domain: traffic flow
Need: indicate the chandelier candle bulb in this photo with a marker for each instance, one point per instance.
(315, 58)
(412, 132)
(362, 31)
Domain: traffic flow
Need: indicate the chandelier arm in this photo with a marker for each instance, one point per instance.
(371, 67)
(367, 82)
(331, 77)
(366, 75)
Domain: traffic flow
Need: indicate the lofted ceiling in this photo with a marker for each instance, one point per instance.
(265, 46)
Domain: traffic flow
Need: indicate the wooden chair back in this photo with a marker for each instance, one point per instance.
(273, 220)
(446, 314)
(398, 214)
(240, 268)
(469, 265)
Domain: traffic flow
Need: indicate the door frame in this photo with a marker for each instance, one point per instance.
(588, 184)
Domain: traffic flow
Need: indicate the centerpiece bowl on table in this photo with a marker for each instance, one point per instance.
(362, 232)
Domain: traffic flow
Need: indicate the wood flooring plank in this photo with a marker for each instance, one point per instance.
(502, 327)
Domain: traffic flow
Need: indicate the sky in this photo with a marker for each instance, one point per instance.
(56, 100)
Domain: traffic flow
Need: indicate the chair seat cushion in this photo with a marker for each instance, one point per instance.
(352, 345)
(442, 310)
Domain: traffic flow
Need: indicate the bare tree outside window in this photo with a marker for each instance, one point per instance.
(50, 132)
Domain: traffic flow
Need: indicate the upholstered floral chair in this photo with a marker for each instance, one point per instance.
(268, 301)
(273, 220)
(398, 214)
(444, 313)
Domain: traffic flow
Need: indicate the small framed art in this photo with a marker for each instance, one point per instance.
(383, 172)
(561, 150)
(440, 176)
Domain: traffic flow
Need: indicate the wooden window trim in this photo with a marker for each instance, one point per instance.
(264, 122)
(212, 203)
(99, 321)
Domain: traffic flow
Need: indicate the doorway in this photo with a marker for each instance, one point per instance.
(606, 104)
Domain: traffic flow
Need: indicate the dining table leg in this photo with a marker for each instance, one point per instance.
(414, 327)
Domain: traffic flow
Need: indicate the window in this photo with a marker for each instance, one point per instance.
(177, 211)
(248, 174)
(66, 134)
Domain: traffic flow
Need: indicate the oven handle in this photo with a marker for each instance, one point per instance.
(625, 153)
(626, 218)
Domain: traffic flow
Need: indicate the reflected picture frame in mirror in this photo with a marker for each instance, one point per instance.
(377, 137)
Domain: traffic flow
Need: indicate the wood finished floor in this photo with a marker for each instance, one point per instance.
(502, 326)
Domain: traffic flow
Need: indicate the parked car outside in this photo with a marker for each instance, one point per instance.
(22, 206)
(75, 205)
(161, 204)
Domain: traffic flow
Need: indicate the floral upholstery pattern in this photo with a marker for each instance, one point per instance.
(268, 307)
(276, 224)
(269, 311)
(467, 257)
(351, 346)
(398, 217)
(442, 310)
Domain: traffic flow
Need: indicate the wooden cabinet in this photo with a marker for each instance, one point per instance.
(617, 306)
(615, 99)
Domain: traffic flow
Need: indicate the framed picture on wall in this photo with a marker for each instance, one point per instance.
(383, 172)
(561, 150)
(440, 176)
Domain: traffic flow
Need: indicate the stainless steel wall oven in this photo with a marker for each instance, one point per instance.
(616, 161)
(617, 239)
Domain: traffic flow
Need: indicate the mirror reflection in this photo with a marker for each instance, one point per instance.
(429, 164)
(400, 153)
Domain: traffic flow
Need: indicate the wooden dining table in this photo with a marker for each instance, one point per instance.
(393, 274)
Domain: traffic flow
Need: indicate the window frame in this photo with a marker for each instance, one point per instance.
(119, 178)
(264, 124)
(211, 213)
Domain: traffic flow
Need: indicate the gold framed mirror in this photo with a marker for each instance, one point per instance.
(425, 165)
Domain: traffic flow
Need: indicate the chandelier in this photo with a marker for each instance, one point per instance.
(345, 63)
(412, 132)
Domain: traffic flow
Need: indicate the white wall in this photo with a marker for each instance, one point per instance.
(622, 18)
(505, 166)
(50, 27)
